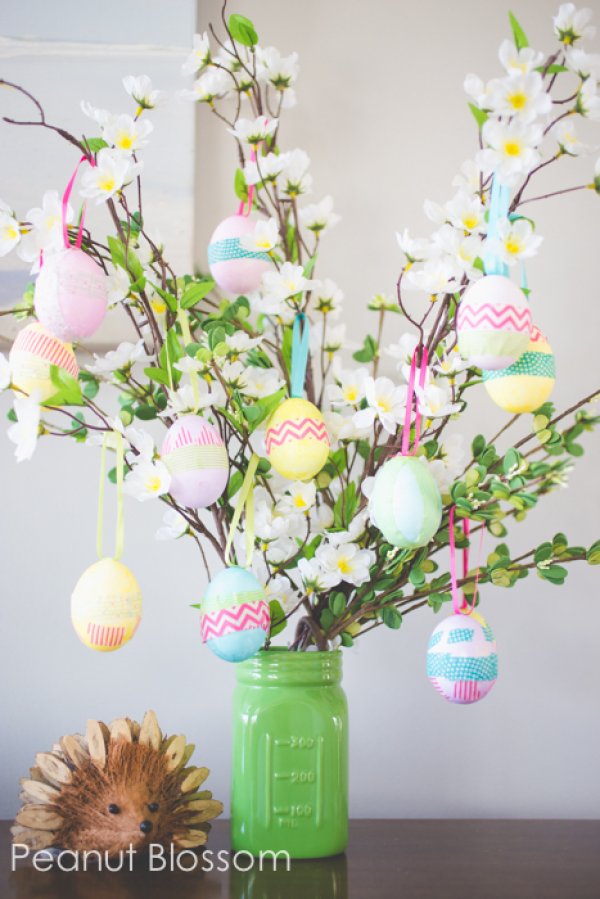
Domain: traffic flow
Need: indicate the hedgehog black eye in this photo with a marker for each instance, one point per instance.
(113, 809)
(153, 806)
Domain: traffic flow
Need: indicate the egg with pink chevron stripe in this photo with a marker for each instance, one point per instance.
(462, 663)
(195, 455)
(234, 615)
(32, 354)
(493, 323)
(296, 440)
(71, 294)
(106, 606)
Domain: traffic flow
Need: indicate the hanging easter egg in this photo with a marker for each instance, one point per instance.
(405, 503)
(493, 323)
(195, 455)
(462, 663)
(234, 619)
(296, 441)
(106, 606)
(31, 356)
(71, 294)
(526, 384)
(234, 268)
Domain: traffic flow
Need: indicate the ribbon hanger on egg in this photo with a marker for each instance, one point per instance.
(459, 601)
(499, 203)
(300, 347)
(116, 438)
(411, 397)
(245, 503)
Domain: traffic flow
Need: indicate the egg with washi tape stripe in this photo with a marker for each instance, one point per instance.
(296, 441)
(405, 502)
(71, 294)
(196, 457)
(106, 606)
(462, 662)
(235, 268)
(32, 354)
(234, 615)
(493, 323)
(526, 384)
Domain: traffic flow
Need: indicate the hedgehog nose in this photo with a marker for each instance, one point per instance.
(146, 826)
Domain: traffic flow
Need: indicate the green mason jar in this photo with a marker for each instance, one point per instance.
(290, 754)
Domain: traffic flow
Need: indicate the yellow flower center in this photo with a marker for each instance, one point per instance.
(299, 501)
(10, 233)
(513, 246)
(512, 148)
(470, 221)
(344, 566)
(153, 484)
(351, 394)
(518, 100)
(124, 141)
(106, 183)
(384, 405)
(263, 243)
(159, 306)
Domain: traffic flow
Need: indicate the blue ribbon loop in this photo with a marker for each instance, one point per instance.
(300, 335)
(499, 203)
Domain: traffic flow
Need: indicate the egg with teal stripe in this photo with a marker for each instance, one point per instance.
(405, 503)
(526, 384)
(462, 662)
(195, 455)
(236, 269)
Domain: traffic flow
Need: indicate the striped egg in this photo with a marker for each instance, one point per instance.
(493, 323)
(197, 460)
(405, 503)
(296, 441)
(71, 294)
(106, 606)
(31, 356)
(462, 663)
(234, 615)
(526, 384)
(234, 268)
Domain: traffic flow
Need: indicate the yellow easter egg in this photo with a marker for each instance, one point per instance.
(296, 441)
(106, 606)
(526, 384)
(31, 356)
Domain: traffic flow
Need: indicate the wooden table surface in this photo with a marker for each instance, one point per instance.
(386, 859)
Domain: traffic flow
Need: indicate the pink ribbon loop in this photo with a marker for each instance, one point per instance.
(65, 206)
(250, 191)
(412, 395)
(459, 600)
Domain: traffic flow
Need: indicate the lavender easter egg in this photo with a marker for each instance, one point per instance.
(234, 268)
(71, 295)
(234, 615)
(406, 504)
(526, 384)
(462, 663)
(493, 323)
(196, 457)
(106, 606)
(31, 356)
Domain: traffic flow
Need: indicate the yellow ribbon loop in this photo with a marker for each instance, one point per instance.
(187, 339)
(245, 499)
(120, 521)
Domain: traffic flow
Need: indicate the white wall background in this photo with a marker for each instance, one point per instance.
(384, 119)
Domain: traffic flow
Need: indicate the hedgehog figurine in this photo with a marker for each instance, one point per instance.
(118, 786)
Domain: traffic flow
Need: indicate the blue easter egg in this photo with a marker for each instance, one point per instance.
(235, 618)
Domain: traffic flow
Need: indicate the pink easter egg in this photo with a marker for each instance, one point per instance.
(196, 457)
(234, 268)
(493, 323)
(71, 294)
(462, 662)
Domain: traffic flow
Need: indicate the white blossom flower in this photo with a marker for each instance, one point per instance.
(100, 116)
(415, 249)
(295, 179)
(435, 400)
(349, 389)
(571, 24)
(437, 275)
(522, 96)
(346, 562)
(321, 518)
(261, 382)
(341, 426)
(467, 212)
(174, 526)
(319, 217)
(512, 149)
(253, 131)
(147, 479)
(10, 231)
(588, 101)
(210, 85)
(4, 372)
(464, 249)
(519, 62)
(582, 63)
(111, 173)
(46, 233)
(451, 462)
(404, 349)
(287, 282)
(469, 177)
(280, 71)
(385, 403)
(266, 168)
(300, 497)
(227, 57)
(477, 90)
(264, 238)
(24, 432)
(118, 284)
(240, 342)
(126, 355)
(516, 240)
(435, 212)
(327, 297)
(315, 578)
(566, 135)
(141, 90)
(187, 399)
(450, 364)
(199, 58)
(126, 133)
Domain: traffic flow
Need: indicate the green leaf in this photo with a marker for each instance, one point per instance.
(480, 116)
(157, 374)
(337, 603)
(126, 259)
(68, 388)
(145, 412)
(259, 411)
(277, 613)
(391, 617)
(478, 446)
(239, 185)
(242, 30)
(511, 460)
(91, 385)
(346, 639)
(327, 619)
(195, 292)
(345, 506)
(519, 35)
(94, 144)
(554, 69)
(593, 554)
(368, 351)
(416, 577)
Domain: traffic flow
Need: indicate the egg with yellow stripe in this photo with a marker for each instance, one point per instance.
(526, 384)
(296, 441)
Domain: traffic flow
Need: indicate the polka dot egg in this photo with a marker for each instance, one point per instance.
(197, 460)
(236, 269)
(493, 323)
(405, 503)
(526, 384)
(31, 356)
(462, 663)
(71, 294)
(106, 606)
(235, 619)
(296, 441)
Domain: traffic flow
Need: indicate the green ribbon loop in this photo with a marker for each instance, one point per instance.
(300, 337)
(245, 500)
(120, 522)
